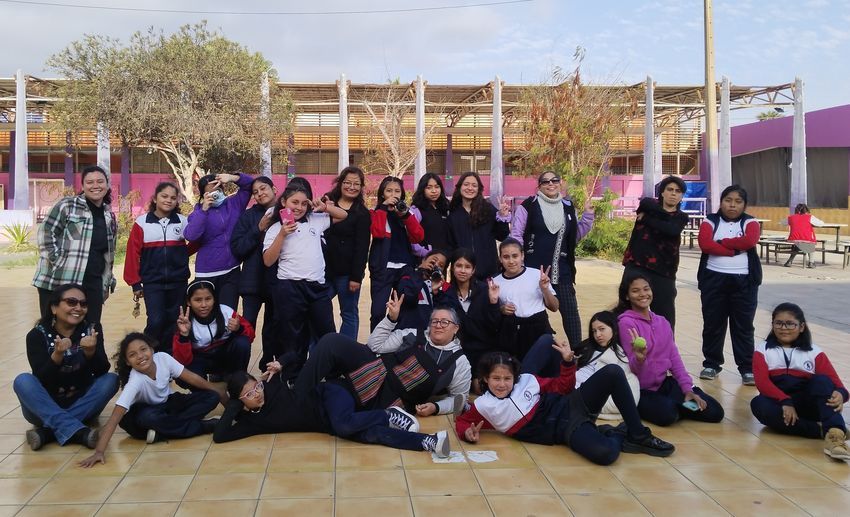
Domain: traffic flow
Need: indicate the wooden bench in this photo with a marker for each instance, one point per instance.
(689, 235)
(780, 245)
(845, 247)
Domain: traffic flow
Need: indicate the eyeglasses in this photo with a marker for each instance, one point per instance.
(73, 302)
(551, 181)
(254, 392)
(441, 324)
(351, 184)
(778, 324)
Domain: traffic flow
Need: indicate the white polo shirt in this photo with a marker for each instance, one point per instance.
(141, 388)
(301, 255)
(523, 291)
(738, 264)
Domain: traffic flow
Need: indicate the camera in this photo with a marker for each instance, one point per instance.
(401, 206)
(436, 274)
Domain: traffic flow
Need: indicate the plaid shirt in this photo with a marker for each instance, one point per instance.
(63, 244)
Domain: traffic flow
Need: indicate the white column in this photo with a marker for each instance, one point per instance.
(342, 87)
(710, 141)
(799, 181)
(497, 177)
(724, 152)
(21, 199)
(419, 164)
(649, 141)
(265, 145)
(103, 158)
(657, 162)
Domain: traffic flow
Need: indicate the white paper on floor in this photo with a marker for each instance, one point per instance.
(474, 456)
(454, 457)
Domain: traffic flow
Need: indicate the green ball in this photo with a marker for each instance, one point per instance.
(639, 342)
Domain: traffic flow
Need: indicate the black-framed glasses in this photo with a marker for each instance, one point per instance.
(551, 181)
(791, 325)
(254, 392)
(73, 302)
(441, 324)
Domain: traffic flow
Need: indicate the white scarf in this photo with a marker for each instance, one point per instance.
(552, 210)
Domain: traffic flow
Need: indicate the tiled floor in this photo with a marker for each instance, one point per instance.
(734, 467)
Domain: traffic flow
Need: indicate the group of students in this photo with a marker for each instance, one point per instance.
(445, 321)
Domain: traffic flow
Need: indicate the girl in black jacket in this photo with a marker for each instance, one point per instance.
(431, 207)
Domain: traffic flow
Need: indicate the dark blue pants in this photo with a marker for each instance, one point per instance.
(348, 306)
(542, 359)
(251, 304)
(664, 406)
(369, 426)
(162, 303)
(230, 357)
(333, 356)
(728, 299)
(382, 282)
(810, 403)
(305, 314)
(226, 287)
(178, 417)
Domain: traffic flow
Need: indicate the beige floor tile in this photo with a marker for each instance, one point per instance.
(19, 490)
(488, 440)
(439, 506)
(513, 456)
(675, 504)
(513, 481)
(576, 480)
(837, 471)
(755, 503)
(260, 441)
(720, 477)
(307, 507)
(9, 511)
(697, 453)
(372, 506)
(298, 484)
(51, 448)
(196, 443)
(211, 508)
(590, 505)
(208, 487)
(555, 456)
(79, 490)
(820, 501)
(653, 479)
(372, 457)
(117, 464)
(32, 465)
(789, 476)
(529, 505)
(301, 459)
(167, 463)
(753, 453)
(10, 442)
(303, 440)
(371, 483)
(675, 434)
(419, 460)
(233, 461)
(442, 483)
(65, 510)
(137, 510)
(141, 489)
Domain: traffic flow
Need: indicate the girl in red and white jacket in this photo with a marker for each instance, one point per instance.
(211, 338)
(799, 391)
(552, 411)
(802, 233)
(157, 263)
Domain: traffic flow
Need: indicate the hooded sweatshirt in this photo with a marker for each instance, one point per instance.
(662, 354)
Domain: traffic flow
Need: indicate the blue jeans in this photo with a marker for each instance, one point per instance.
(162, 306)
(348, 303)
(41, 410)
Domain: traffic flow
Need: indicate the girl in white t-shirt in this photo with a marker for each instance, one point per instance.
(147, 408)
(294, 243)
(525, 294)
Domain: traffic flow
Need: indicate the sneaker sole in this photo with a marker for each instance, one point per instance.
(708, 377)
(639, 449)
(457, 404)
(151, 437)
(841, 457)
(445, 450)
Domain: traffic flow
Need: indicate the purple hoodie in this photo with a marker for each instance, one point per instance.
(662, 355)
(211, 230)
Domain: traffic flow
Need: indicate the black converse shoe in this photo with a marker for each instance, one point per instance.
(651, 445)
(401, 419)
(437, 443)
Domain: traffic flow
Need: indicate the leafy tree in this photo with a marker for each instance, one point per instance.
(194, 96)
(767, 115)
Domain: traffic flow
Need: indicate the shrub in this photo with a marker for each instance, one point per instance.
(609, 236)
(19, 234)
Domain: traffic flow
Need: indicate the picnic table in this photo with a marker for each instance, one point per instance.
(778, 245)
(837, 227)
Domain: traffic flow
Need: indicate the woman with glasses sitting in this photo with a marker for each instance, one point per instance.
(425, 372)
(548, 229)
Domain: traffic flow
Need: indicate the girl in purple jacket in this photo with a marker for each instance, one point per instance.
(210, 227)
(648, 341)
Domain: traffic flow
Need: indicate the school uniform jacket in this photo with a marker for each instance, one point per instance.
(205, 339)
(157, 253)
(746, 243)
(779, 370)
(381, 236)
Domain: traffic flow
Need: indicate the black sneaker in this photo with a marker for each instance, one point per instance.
(86, 436)
(651, 445)
(401, 419)
(38, 437)
(610, 430)
(208, 425)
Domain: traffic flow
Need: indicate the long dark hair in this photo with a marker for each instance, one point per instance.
(804, 340)
(386, 181)
(237, 381)
(336, 193)
(584, 351)
(623, 303)
(302, 183)
(491, 360)
(467, 255)
(480, 210)
(54, 300)
(107, 199)
(196, 286)
(419, 199)
(121, 365)
(159, 188)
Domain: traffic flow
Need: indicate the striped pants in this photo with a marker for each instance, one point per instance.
(568, 307)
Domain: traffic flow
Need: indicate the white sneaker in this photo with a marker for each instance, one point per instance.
(401, 419)
(151, 436)
(438, 444)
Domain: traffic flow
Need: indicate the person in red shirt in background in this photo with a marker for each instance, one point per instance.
(802, 234)
(728, 278)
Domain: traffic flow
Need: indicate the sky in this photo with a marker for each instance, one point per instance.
(757, 42)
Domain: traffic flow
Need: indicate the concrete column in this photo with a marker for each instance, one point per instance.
(450, 166)
(497, 178)
(103, 151)
(69, 160)
(20, 188)
(656, 162)
(419, 164)
(710, 141)
(799, 181)
(265, 145)
(342, 87)
(724, 154)
(10, 192)
(649, 140)
(125, 170)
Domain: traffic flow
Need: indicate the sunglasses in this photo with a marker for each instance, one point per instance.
(73, 302)
(551, 181)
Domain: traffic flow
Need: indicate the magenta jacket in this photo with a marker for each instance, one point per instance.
(662, 354)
